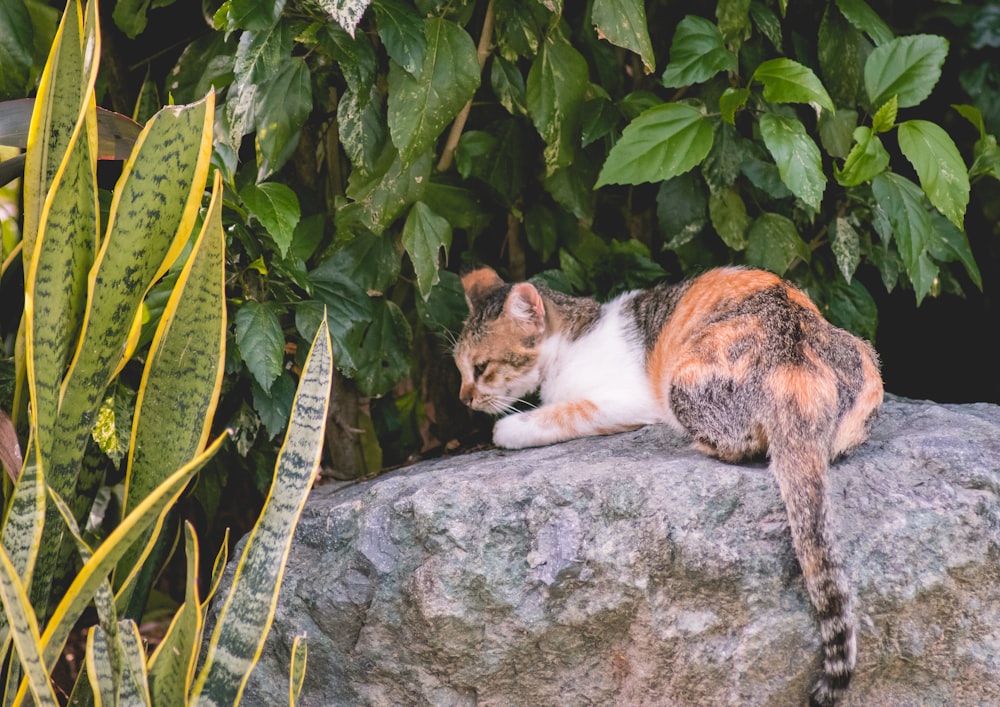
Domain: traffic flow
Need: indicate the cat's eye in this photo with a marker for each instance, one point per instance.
(478, 370)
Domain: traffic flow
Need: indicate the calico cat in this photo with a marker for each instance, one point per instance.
(738, 359)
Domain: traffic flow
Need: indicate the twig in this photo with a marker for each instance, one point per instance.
(483, 51)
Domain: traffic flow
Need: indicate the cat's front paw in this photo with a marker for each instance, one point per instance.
(515, 431)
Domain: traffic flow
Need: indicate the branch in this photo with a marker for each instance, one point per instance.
(483, 51)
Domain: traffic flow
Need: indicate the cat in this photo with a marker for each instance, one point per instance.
(738, 359)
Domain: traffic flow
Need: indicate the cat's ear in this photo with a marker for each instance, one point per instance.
(478, 283)
(525, 306)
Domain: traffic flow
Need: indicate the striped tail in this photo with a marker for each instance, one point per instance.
(800, 467)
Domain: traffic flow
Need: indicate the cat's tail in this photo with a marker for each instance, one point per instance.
(799, 461)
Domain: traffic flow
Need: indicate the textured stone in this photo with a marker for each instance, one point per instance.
(632, 570)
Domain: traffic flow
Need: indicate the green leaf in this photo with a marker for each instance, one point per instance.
(391, 186)
(939, 165)
(867, 159)
(732, 100)
(663, 142)
(15, 49)
(383, 355)
(248, 610)
(274, 406)
(729, 218)
(284, 106)
(261, 342)
(346, 13)
(623, 23)
(276, 206)
(100, 672)
(260, 55)
(767, 23)
(421, 107)
(134, 688)
(445, 310)
(254, 14)
(734, 20)
(904, 206)
(372, 262)
(363, 128)
(557, 82)
(297, 670)
(885, 117)
(798, 159)
(130, 16)
(787, 81)
(859, 14)
(541, 230)
(425, 234)
(697, 53)
(401, 30)
(835, 131)
(851, 307)
(949, 243)
(773, 243)
(722, 165)
(508, 86)
(842, 51)
(846, 246)
(974, 116)
(906, 67)
(204, 63)
(680, 209)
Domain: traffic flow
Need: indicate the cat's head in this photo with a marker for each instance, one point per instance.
(497, 351)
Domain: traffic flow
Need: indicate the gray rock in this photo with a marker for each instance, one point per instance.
(632, 570)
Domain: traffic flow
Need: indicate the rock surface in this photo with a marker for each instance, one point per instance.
(632, 570)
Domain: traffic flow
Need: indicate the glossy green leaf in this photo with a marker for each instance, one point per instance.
(729, 218)
(248, 610)
(206, 62)
(733, 17)
(773, 243)
(391, 186)
(864, 18)
(906, 67)
(401, 30)
(836, 130)
(623, 23)
(284, 106)
(798, 159)
(180, 384)
(508, 86)
(787, 81)
(260, 54)
(261, 342)
(885, 117)
(363, 129)
(254, 14)
(663, 142)
(15, 50)
(346, 13)
(172, 664)
(974, 116)
(866, 160)
(939, 165)
(680, 209)
(948, 243)
(130, 16)
(721, 167)
(904, 205)
(421, 106)
(425, 235)
(767, 23)
(276, 206)
(842, 50)
(851, 307)
(697, 53)
(557, 82)
(383, 352)
(846, 246)
(732, 100)
(275, 405)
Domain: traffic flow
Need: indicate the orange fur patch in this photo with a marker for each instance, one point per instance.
(568, 417)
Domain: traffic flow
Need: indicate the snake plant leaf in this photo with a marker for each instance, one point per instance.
(180, 385)
(248, 610)
(87, 582)
(152, 212)
(22, 528)
(134, 688)
(298, 670)
(62, 100)
(100, 672)
(24, 628)
(172, 665)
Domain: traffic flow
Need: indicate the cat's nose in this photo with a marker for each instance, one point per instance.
(466, 394)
